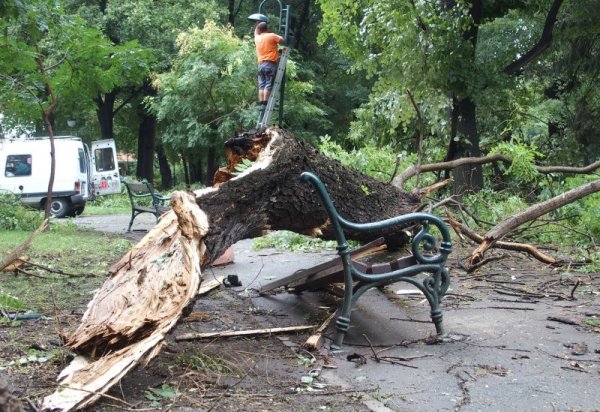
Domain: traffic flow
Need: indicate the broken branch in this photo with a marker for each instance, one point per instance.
(518, 247)
(532, 212)
(236, 333)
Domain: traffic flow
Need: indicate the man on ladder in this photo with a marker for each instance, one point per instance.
(268, 58)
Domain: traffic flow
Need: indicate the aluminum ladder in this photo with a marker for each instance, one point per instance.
(264, 117)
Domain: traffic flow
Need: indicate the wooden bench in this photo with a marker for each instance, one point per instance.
(428, 255)
(144, 199)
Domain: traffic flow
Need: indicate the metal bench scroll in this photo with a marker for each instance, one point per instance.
(428, 256)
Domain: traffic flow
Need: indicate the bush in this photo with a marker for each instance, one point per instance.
(15, 216)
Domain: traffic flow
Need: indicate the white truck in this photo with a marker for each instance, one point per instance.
(80, 174)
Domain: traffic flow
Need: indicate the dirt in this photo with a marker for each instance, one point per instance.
(521, 336)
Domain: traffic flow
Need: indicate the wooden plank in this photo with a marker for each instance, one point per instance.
(325, 267)
(207, 286)
(235, 333)
(320, 280)
(315, 341)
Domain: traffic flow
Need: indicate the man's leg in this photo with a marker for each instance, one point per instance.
(262, 103)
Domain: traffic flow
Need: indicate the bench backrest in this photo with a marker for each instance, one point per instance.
(141, 190)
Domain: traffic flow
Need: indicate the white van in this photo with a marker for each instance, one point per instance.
(80, 175)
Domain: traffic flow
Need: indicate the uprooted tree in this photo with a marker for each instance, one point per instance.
(148, 289)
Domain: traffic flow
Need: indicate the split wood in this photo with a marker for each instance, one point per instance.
(315, 341)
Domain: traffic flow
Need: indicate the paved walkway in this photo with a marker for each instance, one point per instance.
(504, 353)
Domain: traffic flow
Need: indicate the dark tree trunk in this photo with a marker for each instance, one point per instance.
(273, 197)
(195, 169)
(166, 177)
(105, 113)
(468, 177)
(299, 28)
(146, 137)
(232, 11)
(211, 165)
(464, 120)
(186, 172)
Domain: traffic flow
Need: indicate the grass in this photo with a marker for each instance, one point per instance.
(84, 256)
(108, 205)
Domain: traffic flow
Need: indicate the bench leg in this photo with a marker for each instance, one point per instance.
(343, 321)
(437, 319)
(133, 215)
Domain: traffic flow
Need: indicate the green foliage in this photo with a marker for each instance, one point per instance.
(492, 206)
(285, 240)
(15, 216)
(582, 215)
(10, 303)
(204, 362)
(573, 227)
(33, 357)
(241, 167)
(164, 392)
(376, 162)
(523, 159)
(205, 96)
(44, 48)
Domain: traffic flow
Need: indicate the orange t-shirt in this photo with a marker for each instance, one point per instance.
(266, 47)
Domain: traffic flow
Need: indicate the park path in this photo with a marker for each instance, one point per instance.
(515, 335)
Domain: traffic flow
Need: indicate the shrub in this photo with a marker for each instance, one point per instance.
(15, 216)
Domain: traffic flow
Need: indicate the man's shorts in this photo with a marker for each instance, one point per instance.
(266, 75)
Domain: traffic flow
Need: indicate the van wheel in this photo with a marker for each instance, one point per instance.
(59, 207)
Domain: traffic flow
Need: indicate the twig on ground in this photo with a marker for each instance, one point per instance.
(472, 268)
(35, 275)
(573, 290)
(371, 346)
(62, 272)
(566, 321)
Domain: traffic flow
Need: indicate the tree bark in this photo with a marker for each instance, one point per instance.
(146, 139)
(269, 195)
(518, 247)
(105, 112)
(467, 177)
(166, 177)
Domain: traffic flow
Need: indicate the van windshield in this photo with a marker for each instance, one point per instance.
(105, 159)
(18, 165)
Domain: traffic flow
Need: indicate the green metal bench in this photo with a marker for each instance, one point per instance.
(144, 199)
(428, 256)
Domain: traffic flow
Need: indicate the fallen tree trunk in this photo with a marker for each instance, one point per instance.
(532, 212)
(270, 195)
(126, 322)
